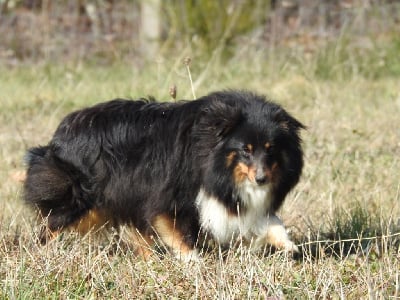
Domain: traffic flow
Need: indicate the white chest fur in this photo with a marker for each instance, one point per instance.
(224, 226)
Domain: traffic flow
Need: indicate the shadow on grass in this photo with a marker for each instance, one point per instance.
(355, 232)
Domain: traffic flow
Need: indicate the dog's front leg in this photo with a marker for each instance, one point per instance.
(272, 231)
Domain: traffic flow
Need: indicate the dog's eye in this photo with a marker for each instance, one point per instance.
(269, 149)
(247, 150)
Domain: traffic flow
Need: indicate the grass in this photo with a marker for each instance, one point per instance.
(344, 213)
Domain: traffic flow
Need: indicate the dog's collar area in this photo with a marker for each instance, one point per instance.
(224, 225)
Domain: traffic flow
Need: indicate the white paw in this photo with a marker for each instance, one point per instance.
(289, 246)
(191, 256)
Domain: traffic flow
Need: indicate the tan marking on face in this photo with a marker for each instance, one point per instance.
(242, 171)
(170, 235)
(229, 158)
(267, 146)
(249, 147)
(252, 174)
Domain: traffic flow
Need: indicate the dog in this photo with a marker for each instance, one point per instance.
(220, 165)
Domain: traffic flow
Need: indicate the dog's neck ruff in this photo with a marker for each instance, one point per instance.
(215, 217)
(253, 196)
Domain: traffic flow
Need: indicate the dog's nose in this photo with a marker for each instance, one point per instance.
(261, 179)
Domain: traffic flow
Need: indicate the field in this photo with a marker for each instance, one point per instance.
(344, 214)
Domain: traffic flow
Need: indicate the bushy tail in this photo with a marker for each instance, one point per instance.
(50, 188)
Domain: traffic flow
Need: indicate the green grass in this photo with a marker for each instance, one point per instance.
(344, 212)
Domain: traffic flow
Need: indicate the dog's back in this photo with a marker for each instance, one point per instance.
(98, 156)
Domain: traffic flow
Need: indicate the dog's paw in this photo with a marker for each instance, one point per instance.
(187, 256)
(289, 246)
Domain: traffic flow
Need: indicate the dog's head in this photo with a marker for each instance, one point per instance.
(255, 141)
(263, 146)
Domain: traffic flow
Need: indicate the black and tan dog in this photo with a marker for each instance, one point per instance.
(222, 164)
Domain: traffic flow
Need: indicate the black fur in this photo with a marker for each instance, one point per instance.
(139, 159)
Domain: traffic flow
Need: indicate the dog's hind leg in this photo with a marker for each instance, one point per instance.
(94, 219)
(142, 243)
(173, 238)
(51, 190)
(46, 234)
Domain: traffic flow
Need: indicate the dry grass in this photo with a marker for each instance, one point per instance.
(344, 213)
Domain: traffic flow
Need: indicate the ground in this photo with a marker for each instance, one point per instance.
(344, 213)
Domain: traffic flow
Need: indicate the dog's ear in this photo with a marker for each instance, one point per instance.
(286, 121)
(215, 121)
(219, 118)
